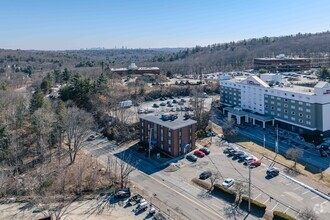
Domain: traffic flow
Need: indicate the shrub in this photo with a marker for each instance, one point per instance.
(255, 203)
(200, 134)
(201, 183)
(224, 190)
(277, 215)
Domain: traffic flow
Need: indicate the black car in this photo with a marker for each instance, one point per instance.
(227, 150)
(155, 106)
(205, 150)
(174, 101)
(272, 171)
(205, 175)
(242, 157)
(238, 154)
(122, 193)
(191, 157)
(182, 100)
(91, 138)
(232, 152)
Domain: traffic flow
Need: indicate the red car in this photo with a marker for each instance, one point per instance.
(255, 163)
(199, 153)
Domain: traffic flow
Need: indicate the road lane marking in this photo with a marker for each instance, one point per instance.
(297, 188)
(275, 206)
(315, 197)
(257, 196)
(305, 192)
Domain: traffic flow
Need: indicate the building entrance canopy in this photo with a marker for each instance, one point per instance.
(248, 115)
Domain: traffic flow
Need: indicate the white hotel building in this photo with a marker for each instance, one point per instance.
(299, 109)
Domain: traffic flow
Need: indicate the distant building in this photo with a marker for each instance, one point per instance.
(132, 68)
(173, 134)
(299, 109)
(282, 64)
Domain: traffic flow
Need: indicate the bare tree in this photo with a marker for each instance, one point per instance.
(308, 214)
(228, 127)
(78, 125)
(213, 179)
(42, 122)
(294, 154)
(126, 165)
(232, 211)
(240, 189)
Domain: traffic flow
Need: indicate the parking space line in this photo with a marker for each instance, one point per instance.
(324, 202)
(257, 196)
(286, 210)
(275, 206)
(305, 192)
(315, 197)
(266, 200)
(288, 183)
(297, 188)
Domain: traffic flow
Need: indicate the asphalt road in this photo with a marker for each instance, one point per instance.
(179, 195)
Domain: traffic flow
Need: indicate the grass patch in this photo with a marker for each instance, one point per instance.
(277, 215)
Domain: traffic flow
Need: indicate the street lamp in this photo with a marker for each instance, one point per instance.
(249, 208)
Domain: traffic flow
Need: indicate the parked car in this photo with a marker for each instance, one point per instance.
(178, 109)
(171, 97)
(91, 138)
(249, 159)
(227, 150)
(140, 111)
(255, 163)
(141, 207)
(232, 152)
(199, 153)
(205, 175)
(122, 193)
(174, 101)
(163, 104)
(272, 171)
(172, 110)
(155, 105)
(228, 182)
(242, 157)
(323, 153)
(205, 150)
(161, 99)
(169, 105)
(238, 154)
(182, 100)
(191, 157)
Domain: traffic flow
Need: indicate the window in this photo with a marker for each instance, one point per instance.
(286, 117)
(293, 118)
(293, 107)
(308, 104)
(293, 101)
(266, 106)
(279, 104)
(300, 103)
(300, 114)
(308, 116)
(272, 113)
(292, 113)
(300, 120)
(285, 100)
(286, 111)
(272, 107)
(308, 123)
(278, 98)
(169, 149)
(285, 105)
(161, 146)
(279, 109)
(300, 108)
(308, 110)
(278, 114)
(272, 97)
(169, 141)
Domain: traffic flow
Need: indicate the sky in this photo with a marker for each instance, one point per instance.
(75, 24)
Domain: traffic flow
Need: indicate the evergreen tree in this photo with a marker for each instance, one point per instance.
(66, 75)
(36, 102)
(4, 143)
(101, 84)
(324, 73)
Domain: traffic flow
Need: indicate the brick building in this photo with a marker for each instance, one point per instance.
(173, 134)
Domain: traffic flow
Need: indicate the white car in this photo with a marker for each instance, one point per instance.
(228, 182)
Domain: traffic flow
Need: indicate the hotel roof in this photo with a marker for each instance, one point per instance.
(178, 123)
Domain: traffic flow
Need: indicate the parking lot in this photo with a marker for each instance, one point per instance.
(278, 193)
(169, 105)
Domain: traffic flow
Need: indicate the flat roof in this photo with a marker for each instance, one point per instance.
(180, 122)
(298, 89)
(284, 58)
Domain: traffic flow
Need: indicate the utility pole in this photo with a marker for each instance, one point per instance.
(276, 144)
(150, 134)
(249, 208)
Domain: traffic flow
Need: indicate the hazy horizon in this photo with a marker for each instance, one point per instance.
(146, 24)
